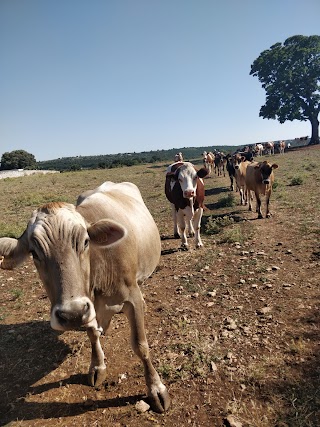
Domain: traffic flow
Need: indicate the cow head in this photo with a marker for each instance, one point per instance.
(266, 171)
(187, 176)
(237, 160)
(60, 242)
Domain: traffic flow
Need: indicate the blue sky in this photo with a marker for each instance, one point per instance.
(91, 77)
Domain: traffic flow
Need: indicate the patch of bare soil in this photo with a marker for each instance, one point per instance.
(233, 330)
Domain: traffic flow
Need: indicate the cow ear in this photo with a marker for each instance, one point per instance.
(274, 166)
(106, 232)
(13, 252)
(202, 172)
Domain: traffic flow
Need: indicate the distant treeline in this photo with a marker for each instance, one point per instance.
(108, 161)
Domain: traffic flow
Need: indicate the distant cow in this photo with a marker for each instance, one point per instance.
(208, 160)
(231, 170)
(269, 147)
(240, 165)
(220, 162)
(258, 149)
(184, 188)
(178, 157)
(282, 146)
(259, 179)
(92, 257)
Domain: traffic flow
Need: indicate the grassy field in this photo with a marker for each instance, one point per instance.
(233, 327)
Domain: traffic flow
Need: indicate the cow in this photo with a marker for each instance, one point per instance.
(208, 160)
(259, 149)
(184, 188)
(231, 170)
(219, 163)
(259, 179)
(91, 258)
(178, 157)
(282, 146)
(269, 147)
(240, 166)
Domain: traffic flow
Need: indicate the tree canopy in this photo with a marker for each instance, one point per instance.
(290, 75)
(18, 159)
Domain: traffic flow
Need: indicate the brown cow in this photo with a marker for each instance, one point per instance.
(282, 146)
(259, 179)
(184, 188)
(240, 166)
(92, 257)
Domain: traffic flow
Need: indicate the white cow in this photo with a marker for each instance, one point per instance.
(91, 258)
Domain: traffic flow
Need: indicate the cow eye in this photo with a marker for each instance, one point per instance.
(34, 255)
(86, 243)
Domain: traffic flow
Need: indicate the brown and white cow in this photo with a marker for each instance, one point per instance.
(178, 157)
(240, 166)
(258, 149)
(184, 188)
(259, 179)
(269, 147)
(92, 257)
(208, 160)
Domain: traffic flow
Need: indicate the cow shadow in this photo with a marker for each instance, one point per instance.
(216, 190)
(28, 352)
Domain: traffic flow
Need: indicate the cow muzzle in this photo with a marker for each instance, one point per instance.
(73, 314)
(266, 181)
(188, 194)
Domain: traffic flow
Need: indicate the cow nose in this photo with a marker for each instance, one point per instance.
(266, 181)
(72, 314)
(188, 194)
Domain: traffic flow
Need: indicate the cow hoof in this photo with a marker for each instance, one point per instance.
(97, 375)
(176, 236)
(268, 215)
(260, 216)
(184, 247)
(160, 400)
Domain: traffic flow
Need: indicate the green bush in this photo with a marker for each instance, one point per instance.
(214, 226)
(296, 180)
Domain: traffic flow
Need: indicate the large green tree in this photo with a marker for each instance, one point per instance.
(290, 75)
(18, 159)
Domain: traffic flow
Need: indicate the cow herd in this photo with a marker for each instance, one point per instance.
(93, 256)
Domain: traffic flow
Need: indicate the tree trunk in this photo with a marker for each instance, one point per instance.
(315, 131)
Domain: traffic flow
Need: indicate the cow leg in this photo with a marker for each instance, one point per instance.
(258, 209)
(231, 183)
(182, 228)
(267, 203)
(157, 392)
(175, 225)
(197, 224)
(249, 198)
(98, 369)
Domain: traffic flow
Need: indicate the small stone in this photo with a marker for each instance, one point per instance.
(210, 304)
(264, 310)
(242, 281)
(231, 421)
(212, 293)
(214, 367)
(142, 406)
(275, 268)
